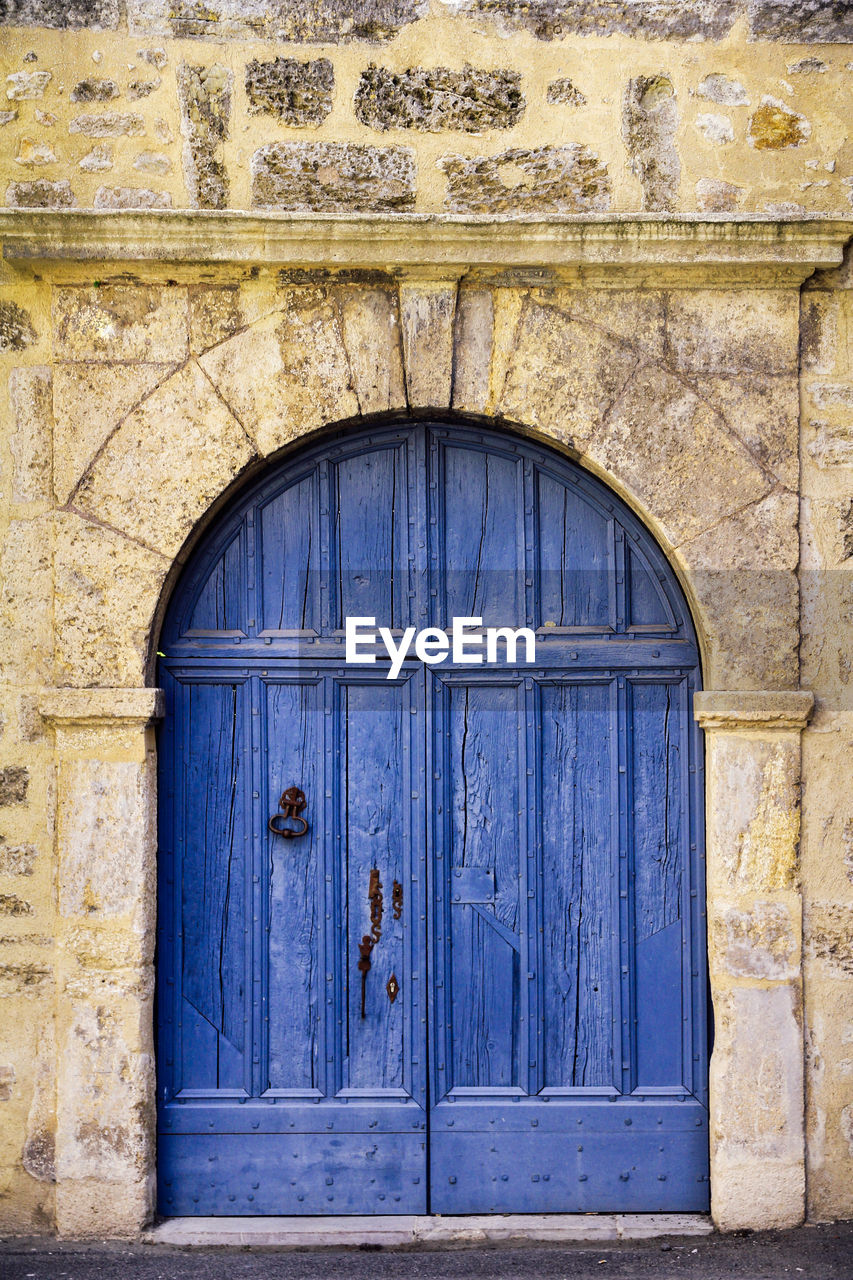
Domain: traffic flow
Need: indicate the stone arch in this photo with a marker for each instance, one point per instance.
(604, 376)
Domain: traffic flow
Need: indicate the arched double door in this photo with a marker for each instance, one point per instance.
(524, 839)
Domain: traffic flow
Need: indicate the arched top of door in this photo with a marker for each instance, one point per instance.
(381, 521)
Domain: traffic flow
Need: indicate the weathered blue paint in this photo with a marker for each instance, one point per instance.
(547, 1047)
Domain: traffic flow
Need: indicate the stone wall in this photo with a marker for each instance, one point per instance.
(27, 874)
(826, 572)
(131, 400)
(463, 106)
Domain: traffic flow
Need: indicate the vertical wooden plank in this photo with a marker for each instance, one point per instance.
(656, 766)
(292, 736)
(486, 831)
(575, 569)
(167, 995)
(370, 528)
(692, 792)
(579, 902)
(289, 559)
(256, 903)
(197, 1036)
(221, 602)
(214, 870)
(647, 604)
(481, 529)
(376, 762)
(418, 886)
(531, 883)
(623, 994)
(439, 842)
(656, 763)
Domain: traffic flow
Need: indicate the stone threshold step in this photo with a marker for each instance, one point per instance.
(406, 1231)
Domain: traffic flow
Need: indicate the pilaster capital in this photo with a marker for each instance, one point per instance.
(755, 709)
(88, 708)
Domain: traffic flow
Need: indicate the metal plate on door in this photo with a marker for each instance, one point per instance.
(472, 884)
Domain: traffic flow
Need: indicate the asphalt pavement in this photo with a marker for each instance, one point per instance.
(821, 1252)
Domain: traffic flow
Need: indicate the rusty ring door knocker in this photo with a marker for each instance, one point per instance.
(291, 804)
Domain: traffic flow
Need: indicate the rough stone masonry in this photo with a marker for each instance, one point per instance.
(142, 91)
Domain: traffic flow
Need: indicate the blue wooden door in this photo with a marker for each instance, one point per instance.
(568, 1056)
(532, 1034)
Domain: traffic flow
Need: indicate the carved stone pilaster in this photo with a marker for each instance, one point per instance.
(755, 955)
(105, 873)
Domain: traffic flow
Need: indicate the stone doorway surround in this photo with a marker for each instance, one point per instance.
(188, 348)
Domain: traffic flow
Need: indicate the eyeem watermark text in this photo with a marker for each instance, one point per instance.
(467, 641)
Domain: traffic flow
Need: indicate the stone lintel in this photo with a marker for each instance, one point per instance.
(90, 707)
(753, 709)
(753, 249)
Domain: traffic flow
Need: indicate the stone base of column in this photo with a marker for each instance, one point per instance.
(90, 1208)
(763, 1195)
(757, 1125)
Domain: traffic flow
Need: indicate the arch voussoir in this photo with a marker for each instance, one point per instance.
(563, 376)
(106, 589)
(288, 374)
(370, 328)
(167, 463)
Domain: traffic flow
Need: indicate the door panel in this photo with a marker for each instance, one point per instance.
(221, 605)
(477, 534)
(601, 1158)
(295, 920)
(370, 530)
(313, 1172)
(212, 1011)
(289, 558)
(482, 829)
(574, 555)
(659, 716)
(579, 908)
(375, 722)
(534, 831)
